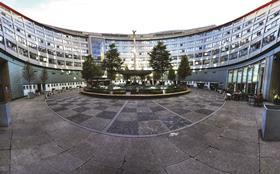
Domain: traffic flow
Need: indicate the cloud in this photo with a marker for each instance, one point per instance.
(145, 16)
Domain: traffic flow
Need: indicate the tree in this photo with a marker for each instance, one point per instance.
(184, 69)
(112, 62)
(90, 69)
(44, 77)
(160, 59)
(171, 75)
(28, 74)
(156, 76)
(126, 75)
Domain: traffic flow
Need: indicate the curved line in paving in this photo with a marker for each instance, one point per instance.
(173, 112)
(136, 136)
(115, 117)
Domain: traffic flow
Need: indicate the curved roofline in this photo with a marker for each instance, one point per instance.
(116, 35)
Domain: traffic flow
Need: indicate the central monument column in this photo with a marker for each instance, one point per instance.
(134, 49)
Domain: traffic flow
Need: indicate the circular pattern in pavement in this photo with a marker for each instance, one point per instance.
(136, 118)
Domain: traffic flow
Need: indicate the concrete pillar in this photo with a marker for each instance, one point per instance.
(5, 97)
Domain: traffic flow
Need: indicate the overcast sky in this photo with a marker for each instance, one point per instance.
(122, 16)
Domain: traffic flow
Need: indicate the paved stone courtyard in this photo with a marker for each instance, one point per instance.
(40, 141)
(136, 117)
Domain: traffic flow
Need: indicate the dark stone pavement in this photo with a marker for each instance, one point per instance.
(41, 142)
(135, 118)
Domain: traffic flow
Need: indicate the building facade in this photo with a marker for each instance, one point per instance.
(241, 54)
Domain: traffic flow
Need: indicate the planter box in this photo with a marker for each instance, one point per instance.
(271, 123)
(200, 85)
(5, 114)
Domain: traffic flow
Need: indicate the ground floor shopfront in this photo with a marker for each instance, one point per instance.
(257, 75)
(11, 77)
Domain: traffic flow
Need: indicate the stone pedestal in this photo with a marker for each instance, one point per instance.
(271, 123)
(5, 115)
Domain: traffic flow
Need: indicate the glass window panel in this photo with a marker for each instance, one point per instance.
(239, 76)
(245, 75)
(230, 77)
(234, 76)
(256, 73)
(250, 71)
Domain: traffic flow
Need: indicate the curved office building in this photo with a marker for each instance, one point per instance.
(241, 54)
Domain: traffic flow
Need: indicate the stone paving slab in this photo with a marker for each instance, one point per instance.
(227, 142)
(136, 117)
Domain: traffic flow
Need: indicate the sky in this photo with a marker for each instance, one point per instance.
(123, 16)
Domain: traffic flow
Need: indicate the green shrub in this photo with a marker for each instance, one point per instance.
(119, 92)
(173, 90)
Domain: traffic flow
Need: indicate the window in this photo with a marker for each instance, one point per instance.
(224, 49)
(235, 45)
(206, 62)
(76, 57)
(52, 61)
(2, 40)
(32, 45)
(260, 16)
(236, 36)
(248, 23)
(59, 54)
(69, 56)
(245, 74)
(69, 63)
(216, 51)
(40, 40)
(270, 38)
(20, 30)
(197, 62)
(226, 40)
(33, 56)
(9, 32)
(50, 44)
(274, 15)
(234, 76)
(256, 73)
(23, 51)
(230, 74)
(255, 46)
(256, 34)
(51, 52)
(43, 59)
(244, 41)
(77, 64)
(42, 49)
(237, 28)
(260, 23)
(248, 30)
(224, 59)
(59, 47)
(233, 56)
(21, 40)
(215, 60)
(11, 45)
(243, 52)
(31, 37)
(8, 23)
(197, 55)
(208, 53)
(60, 62)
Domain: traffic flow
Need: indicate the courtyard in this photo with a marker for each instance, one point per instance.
(207, 136)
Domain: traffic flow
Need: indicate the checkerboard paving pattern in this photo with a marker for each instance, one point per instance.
(135, 117)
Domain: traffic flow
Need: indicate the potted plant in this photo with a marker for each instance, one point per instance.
(276, 99)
